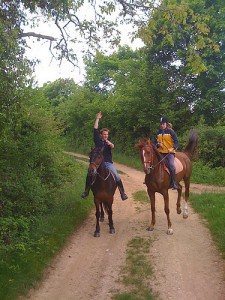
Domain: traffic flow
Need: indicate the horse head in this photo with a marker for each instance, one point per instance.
(96, 159)
(146, 153)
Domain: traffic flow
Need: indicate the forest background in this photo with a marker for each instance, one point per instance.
(179, 73)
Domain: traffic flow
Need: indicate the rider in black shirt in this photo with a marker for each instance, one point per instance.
(101, 140)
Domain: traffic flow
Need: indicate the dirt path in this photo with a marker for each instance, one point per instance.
(186, 264)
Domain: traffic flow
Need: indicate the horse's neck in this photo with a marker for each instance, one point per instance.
(103, 169)
(158, 161)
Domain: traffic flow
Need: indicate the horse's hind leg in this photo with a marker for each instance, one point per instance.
(111, 227)
(179, 192)
(97, 227)
(187, 189)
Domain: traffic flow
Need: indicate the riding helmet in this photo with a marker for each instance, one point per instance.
(164, 120)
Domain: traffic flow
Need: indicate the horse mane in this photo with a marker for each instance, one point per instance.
(191, 149)
(143, 142)
(147, 142)
(159, 156)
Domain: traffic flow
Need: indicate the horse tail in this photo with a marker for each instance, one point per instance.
(191, 149)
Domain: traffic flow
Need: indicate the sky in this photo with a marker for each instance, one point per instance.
(48, 69)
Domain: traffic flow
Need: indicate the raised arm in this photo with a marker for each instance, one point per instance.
(98, 116)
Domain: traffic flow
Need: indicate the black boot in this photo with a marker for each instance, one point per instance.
(121, 189)
(87, 188)
(173, 180)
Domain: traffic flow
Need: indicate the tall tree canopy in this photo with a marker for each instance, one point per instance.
(186, 39)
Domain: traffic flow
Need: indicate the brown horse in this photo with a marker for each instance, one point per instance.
(157, 178)
(103, 186)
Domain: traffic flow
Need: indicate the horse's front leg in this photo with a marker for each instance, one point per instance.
(187, 188)
(97, 214)
(101, 213)
(111, 227)
(167, 211)
(152, 200)
(179, 192)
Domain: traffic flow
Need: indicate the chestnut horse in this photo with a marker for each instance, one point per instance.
(103, 186)
(157, 178)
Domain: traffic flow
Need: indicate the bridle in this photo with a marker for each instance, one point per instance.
(95, 172)
(150, 161)
(146, 162)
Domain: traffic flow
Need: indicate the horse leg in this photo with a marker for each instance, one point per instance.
(179, 193)
(97, 228)
(101, 213)
(187, 188)
(167, 211)
(111, 227)
(152, 200)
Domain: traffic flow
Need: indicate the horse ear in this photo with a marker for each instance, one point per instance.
(138, 145)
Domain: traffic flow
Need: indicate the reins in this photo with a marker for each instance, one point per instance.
(98, 174)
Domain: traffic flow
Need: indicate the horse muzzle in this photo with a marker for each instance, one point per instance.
(92, 171)
(148, 170)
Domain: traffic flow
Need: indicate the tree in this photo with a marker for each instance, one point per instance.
(75, 21)
(185, 38)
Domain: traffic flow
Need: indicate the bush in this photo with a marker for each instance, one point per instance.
(212, 145)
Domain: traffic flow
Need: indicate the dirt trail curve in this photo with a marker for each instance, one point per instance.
(186, 265)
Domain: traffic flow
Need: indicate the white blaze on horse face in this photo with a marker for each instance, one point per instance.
(144, 159)
(147, 167)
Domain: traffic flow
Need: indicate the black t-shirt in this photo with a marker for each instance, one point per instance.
(99, 143)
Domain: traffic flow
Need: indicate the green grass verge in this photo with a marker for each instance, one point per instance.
(22, 268)
(211, 207)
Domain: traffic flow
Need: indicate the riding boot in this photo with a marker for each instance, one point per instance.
(173, 180)
(121, 189)
(87, 188)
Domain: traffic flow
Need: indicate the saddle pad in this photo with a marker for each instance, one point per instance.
(178, 165)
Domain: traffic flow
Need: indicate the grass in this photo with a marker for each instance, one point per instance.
(141, 197)
(211, 207)
(22, 268)
(137, 272)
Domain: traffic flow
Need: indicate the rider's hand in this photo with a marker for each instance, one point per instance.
(99, 115)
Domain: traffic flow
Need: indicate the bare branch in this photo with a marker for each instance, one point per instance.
(40, 36)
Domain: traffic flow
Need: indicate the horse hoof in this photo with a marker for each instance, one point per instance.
(150, 229)
(179, 211)
(97, 234)
(185, 216)
(112, 230)
(169, 231)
